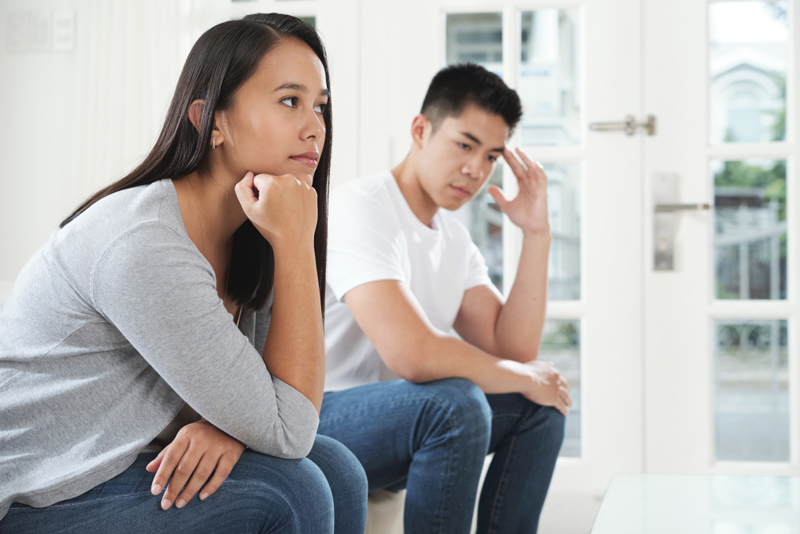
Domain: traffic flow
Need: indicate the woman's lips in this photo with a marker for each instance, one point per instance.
(309, 159)
(461, 192)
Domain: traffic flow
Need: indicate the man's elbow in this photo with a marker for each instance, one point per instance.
(410, 364)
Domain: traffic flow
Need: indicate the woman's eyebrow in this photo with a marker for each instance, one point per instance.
(299, 87)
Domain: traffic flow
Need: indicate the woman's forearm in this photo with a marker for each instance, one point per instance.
(295, 346)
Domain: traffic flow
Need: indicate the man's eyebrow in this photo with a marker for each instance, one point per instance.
(475, 140)
(299, 87)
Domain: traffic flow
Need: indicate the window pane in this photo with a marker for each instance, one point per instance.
(748, 59)
(484, 220)
(750, 238)
(561, 344)
(751, 395)
(549, 77)
(476, 38)
(564, 206)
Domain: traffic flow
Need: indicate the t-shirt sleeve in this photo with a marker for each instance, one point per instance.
(152, 285)
(364, 245)
(478, 274)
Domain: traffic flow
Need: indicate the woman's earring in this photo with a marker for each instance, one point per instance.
(214, 143)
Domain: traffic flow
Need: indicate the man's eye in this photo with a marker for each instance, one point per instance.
(290, 101)
(492, 158)
(464, 146)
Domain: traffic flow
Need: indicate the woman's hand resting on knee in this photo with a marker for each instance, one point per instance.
(198, 450)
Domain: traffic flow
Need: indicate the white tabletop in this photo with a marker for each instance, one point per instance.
(688, 504)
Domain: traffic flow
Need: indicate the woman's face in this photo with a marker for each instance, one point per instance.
(275, 125)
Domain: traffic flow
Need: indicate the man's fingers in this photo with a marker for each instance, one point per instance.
(201, 474)
(499, 197)
(224, 468)
(565, 396)
(527, 161)
(516, 167)
(561, 407)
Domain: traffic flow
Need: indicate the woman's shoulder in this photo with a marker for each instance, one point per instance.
(126, 209)
(143, 218)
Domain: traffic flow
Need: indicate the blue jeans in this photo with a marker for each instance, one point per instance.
(432, 439)
(323, 493)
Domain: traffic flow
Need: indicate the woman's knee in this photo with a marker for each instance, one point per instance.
(289, 494)
(340, 466)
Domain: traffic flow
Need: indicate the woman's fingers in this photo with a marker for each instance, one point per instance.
(201, 474)
(184, 469)
(224, 468)
(155, 463)
(244, 189)
(170, 457)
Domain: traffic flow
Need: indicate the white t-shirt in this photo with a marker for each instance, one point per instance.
(374, 235)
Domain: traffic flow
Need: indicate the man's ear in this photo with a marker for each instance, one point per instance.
(420, 130)
(196, 109)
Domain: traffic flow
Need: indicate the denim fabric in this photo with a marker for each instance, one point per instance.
(262, 494)
(432, 439)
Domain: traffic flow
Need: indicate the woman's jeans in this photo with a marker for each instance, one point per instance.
(322, 493)
(432, 439)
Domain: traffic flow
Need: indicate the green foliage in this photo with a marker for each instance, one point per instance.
(746, 175)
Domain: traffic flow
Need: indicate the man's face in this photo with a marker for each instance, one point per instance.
(457, 159)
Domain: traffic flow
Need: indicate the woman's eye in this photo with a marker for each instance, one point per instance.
(492, 158)
(464, 146)
(290, 101)
(321, 108)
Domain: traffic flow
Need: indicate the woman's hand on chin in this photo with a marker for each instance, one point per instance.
(282, 208)
(198, 450)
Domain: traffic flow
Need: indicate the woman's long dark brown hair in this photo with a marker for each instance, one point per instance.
(223, 59)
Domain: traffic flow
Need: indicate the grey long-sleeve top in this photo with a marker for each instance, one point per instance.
(110, 327)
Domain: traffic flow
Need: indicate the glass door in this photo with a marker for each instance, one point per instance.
(722, 327)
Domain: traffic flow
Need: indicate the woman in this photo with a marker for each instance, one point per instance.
(190, 288)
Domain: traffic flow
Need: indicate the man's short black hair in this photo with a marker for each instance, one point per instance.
(455, 87)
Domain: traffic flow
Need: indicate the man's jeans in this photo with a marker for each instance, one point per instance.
(432, 439)
(262, 494)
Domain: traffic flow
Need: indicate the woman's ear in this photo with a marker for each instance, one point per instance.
(420, 129)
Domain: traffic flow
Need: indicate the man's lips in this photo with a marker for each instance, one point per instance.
(309, 159)
(461, 192)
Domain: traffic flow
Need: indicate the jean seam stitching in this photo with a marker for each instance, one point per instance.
(502, 483)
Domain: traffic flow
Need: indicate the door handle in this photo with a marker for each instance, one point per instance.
(629, 126)
(672, 208)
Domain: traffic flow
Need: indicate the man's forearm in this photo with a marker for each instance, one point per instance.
(518, 330)
(444, 356)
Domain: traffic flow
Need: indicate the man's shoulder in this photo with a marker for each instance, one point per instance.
(375, 187)
(369, 197)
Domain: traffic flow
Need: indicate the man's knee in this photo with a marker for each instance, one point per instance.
(465, 407)
(547, 421)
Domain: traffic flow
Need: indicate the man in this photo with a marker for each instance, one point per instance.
(419, 407)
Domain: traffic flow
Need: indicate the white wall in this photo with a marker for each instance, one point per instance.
(79, 118)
